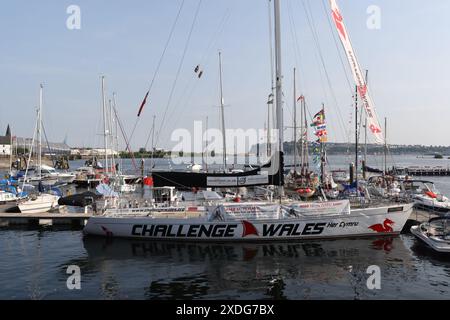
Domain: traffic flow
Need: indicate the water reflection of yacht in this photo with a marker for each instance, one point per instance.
(180, 270)
(425, 195)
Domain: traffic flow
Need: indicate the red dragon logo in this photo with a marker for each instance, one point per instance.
(338, 21)
(248, 229)
(383, 228)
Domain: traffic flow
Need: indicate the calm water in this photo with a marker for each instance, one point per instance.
(33, 265)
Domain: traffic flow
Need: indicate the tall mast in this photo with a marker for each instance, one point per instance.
(116, 123)
(365, 129)
(269, 103)
(272, 84)
(111, 135)
(105, 131)
(305, 150)
(279, 92)
(40, 130)
(356, 137)
(205, 152)
(365, 147)
(385, 146)
(322, 156)
(295, 124)
(11, 150)
(153, 143)
(222, 112)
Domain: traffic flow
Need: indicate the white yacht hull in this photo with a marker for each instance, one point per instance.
(435, 243)
(359, 222)
(430, 204)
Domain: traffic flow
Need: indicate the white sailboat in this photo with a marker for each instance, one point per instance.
(435, 233)
(41, 202)
(255, 221)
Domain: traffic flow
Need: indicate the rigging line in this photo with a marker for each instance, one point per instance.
(158, 67)
(319, 67)
(152, 133)
(124, 135)
(316, 38)
(215, 36)
(297, 51)
(178, 71)
(48, 144)
(310, 19)
(272, 72)
(337, 46)
(315, 56)
(205, 62)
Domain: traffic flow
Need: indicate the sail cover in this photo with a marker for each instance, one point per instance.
(372, 119)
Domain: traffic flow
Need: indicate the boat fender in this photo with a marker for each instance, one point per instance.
(431, 194)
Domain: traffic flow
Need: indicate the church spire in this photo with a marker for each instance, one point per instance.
(8, 131)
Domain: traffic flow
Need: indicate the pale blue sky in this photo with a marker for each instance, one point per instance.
(407, 58)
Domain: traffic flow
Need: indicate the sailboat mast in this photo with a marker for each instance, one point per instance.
(205, 152)
(110, 133)
(105, 132)
(116, 124)
(279, 92)
(322, 157)
(11, 151)
(356, 138)
(41, 93)
(269, 103)
(295, 124)
(272, 84)
(305, 147)
(365, 133)
(222, 112)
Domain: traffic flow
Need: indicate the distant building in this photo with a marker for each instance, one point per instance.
(5, 143)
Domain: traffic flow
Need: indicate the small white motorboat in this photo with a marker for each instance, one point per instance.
(425, 195)
(39, 204)
(8, 200)
(256, 221)
(435, 233)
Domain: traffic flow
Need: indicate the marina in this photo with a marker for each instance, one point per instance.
(157, 196)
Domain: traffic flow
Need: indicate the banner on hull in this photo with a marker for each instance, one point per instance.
(372, 119)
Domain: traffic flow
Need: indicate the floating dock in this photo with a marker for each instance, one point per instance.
(80, 219)
(39, 219)
(426, 171)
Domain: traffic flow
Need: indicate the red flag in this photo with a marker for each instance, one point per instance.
(143, 104)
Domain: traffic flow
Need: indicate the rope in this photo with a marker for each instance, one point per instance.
(178, 71)
(133, 160)
(186, 97)
(158, 67)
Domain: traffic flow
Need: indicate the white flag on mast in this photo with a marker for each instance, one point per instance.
(372, 119)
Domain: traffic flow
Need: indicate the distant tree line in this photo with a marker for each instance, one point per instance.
(342, 148)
